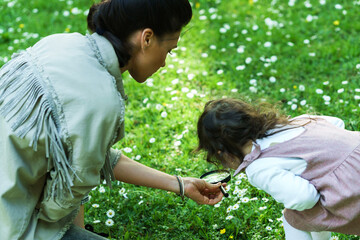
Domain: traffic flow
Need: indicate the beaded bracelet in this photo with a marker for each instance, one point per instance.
(85, 200)
(181, 186)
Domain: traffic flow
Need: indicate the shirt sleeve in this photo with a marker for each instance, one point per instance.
(274, 176)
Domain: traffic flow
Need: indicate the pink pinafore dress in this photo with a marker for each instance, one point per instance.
(333, 167)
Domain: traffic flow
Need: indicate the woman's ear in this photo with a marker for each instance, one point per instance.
(147, 38)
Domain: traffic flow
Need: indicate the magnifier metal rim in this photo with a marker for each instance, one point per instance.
(226, 179)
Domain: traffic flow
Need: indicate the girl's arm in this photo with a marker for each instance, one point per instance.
(130, 171)
(275, 176)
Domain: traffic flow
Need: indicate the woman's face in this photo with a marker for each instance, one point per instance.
(150, 54)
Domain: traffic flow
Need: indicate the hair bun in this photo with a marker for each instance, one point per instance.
(100, 31)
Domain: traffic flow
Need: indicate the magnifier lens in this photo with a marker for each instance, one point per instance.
(217, 176)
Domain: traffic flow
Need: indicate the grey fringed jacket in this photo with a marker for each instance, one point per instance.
(61, 109)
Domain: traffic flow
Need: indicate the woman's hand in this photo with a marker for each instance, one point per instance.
(202, 192)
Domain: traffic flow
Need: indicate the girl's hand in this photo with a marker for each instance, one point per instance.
(202, 192)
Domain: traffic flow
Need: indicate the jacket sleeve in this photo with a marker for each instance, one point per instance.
(114, 156)
(88, 175)
(91, 160)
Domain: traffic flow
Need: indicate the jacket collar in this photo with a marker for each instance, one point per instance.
(110, 60)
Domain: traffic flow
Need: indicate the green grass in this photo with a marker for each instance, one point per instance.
(308, 65)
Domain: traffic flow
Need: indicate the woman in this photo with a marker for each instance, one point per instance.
(62, 106)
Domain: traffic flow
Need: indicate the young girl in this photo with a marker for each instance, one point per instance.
(311, 164)
(62, 107)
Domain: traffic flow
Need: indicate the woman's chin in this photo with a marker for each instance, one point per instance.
(139, 79)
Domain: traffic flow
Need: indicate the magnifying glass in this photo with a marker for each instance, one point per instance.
(216, 176)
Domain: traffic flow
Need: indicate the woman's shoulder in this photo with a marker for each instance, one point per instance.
(60, 37)
(76, 81)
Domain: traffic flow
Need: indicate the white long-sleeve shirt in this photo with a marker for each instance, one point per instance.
(280, 177)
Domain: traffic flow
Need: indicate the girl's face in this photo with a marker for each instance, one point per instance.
(150, 53)
(230, 161)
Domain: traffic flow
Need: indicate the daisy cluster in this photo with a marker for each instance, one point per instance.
(101, 210)
(242, 200)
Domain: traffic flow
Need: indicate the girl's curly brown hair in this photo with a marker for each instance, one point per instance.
(226, 125)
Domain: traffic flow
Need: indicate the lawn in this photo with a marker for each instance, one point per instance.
(304, 55)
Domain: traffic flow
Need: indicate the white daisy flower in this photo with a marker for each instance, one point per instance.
(267, 44)
(319, 91)
(164, 114)
(248, 60)
(242, 67)
(127, 150)
(101, 189)
(245, 200)
(110, 213)
(122, 191)
(109, 222)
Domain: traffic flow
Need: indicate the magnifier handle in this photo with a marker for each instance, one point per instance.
(223, 191)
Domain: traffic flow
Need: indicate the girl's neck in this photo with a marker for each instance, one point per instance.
(246, 149)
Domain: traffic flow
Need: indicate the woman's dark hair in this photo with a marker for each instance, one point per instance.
(226, 125)
(116, 20)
